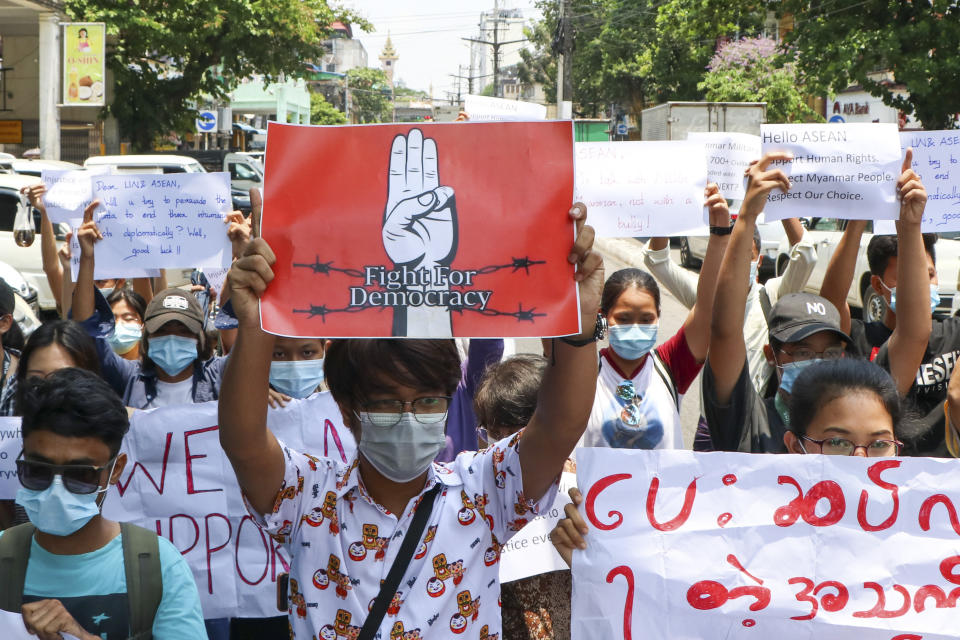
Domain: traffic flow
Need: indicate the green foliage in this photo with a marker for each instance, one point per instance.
(322, 112)
(168, 54)
(852, 42)
(488, 90)
(369, 95)
(751, 70)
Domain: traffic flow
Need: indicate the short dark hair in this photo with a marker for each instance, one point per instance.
(620, 281)
(75, 403)
(825, 381)
(882, 248)
(357, 368)
(70, 337)
(507, 393)
(131, 297)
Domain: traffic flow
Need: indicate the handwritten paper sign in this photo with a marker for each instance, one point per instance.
(684, 546)
(179, 483)
(68, 192)
(484, 108)
(162, 221)
(10, 445)
(100, 271)
(642, 188)
(936, 159)
(838, 170)
(729, 154)
(530, 551)
(458, 229)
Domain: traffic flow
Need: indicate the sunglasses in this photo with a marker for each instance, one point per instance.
(76, 478)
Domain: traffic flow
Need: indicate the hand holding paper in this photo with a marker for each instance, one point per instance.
(761, 181)
(911, 193)
(717, 207)
(89, 233)
(569, 532)
(48, 618)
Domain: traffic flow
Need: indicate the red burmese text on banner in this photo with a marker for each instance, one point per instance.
(426, 230)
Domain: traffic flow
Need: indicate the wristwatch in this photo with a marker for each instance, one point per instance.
(599, 333)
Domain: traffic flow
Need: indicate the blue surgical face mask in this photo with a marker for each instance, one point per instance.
(789, 372)
(173, 354)
(125, 337)
(934, 297)
(57, 511)
(296, 378)
(633, 341)
(106, 291)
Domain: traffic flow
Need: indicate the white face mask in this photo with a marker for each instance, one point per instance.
(754, 268)
(403, 451)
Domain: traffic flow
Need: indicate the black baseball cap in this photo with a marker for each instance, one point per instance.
(174, 305)
(796, 316)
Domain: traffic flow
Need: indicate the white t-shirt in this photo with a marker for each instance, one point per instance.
(172, 393)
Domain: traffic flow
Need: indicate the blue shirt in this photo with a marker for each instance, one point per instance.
(93, 588)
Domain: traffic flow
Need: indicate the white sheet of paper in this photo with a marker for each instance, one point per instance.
(69, 191)
(162, 221)
(936, 159)
(12, 627)
(729, 154)
(839, 170)
(10, 444)
(485, 109)
(642, 188)
(530, 552)
(102, 272)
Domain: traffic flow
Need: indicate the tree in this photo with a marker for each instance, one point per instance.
(369, 94)
(851, 42)
(751, 70)
(322, 112)
(167, 55)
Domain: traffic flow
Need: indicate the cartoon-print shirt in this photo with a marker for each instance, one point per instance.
(343, 543)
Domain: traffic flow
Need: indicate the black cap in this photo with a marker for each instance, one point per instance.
(7, 300)
(174, 305)
(796, 316)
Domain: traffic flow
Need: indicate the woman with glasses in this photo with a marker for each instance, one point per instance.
(639, 386)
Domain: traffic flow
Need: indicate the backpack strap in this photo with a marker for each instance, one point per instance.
(141, 565)
(14, 556)
(765, 305)
(667, 378)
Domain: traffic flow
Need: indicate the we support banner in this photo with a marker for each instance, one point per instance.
(683, 545)
(179, 483)
(458, 229)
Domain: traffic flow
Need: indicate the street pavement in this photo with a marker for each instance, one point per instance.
(619, 253)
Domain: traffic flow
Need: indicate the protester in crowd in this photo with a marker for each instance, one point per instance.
(128, 309)
(11, 356)
(538, 607)
(682, 284)
(394, 395)
(845, 407)
(639, 387)
(75, 566)
(296, 370)
(929, 391)
(461, 432)
(176, 364)
(803, 328)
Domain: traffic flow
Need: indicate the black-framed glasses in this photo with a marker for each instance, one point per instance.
(426, 410)
(802, 353)
(844, 447)
(76, 478)
(627, 395)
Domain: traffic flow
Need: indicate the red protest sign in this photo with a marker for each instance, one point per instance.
(426, 230)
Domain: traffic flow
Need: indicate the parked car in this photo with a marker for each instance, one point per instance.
(27, 167)
(825, 234)
(694, 248)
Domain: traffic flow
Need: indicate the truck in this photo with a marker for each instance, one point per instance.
(674, 120)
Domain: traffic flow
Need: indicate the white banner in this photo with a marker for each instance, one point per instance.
(530, 552)
(179, 483)
(636, 189)
(485, 109)
(729, 154)
(838, 170)
(685, 545)
(162, 221)
(936, 159)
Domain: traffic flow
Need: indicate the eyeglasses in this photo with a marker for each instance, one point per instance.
(801, 354)
(427, 410)
(844, 447)
(627, 395)
(76, 478)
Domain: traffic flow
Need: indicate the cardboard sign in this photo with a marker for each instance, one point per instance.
(179, 483)
(729, 154)
(643, 188)
(68, 192)
(162, 221)
(838, 170)
(936, 159)
(530, 551)
(685, 545)
(458, 229)
(484, 108)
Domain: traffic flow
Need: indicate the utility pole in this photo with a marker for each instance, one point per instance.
(496, 44)
(469, 80)
(563, 47)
